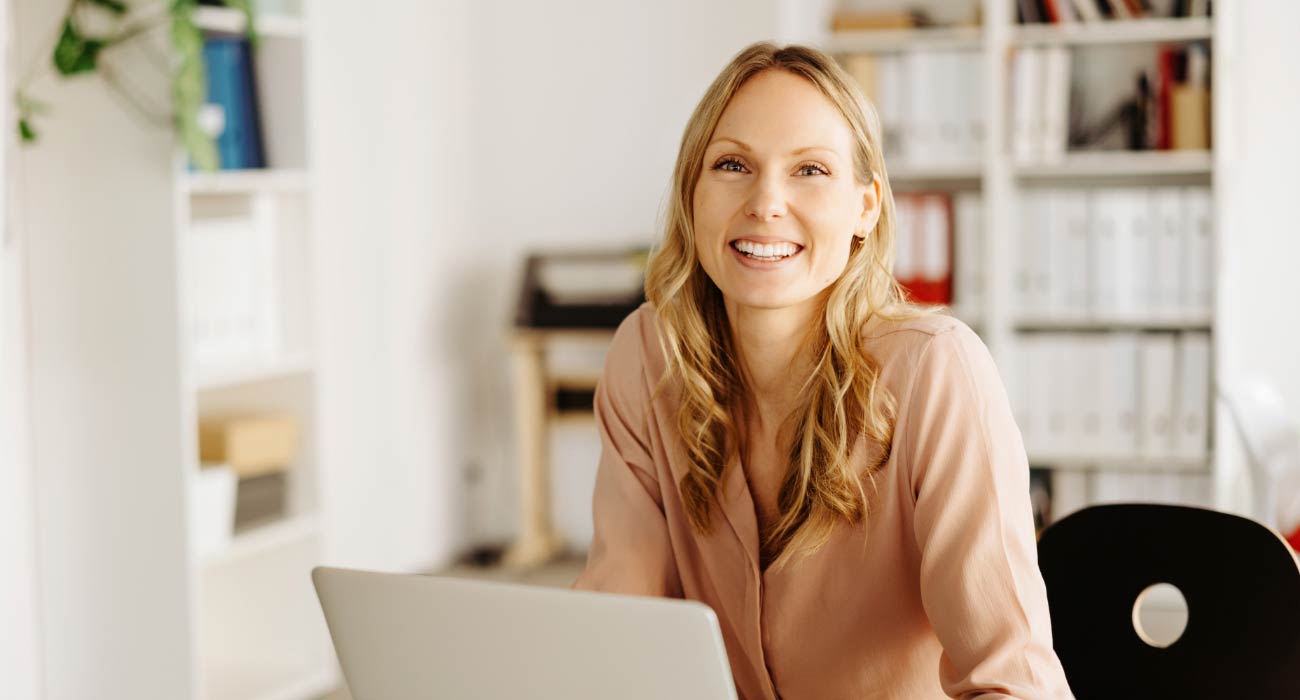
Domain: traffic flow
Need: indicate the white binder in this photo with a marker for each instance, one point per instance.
(934, 259)
(1119, 380)
(1032, 271)
(1061, 396)
(948, 72)
(1027, 71)
(1199, 290)
(921, 127)
(973, 96)
(1168, 224)
(1191, 433)
(968, 212)
(1088, 366)
(905, 231)
(1056, 107)
(1072, 261)
(1157, 353)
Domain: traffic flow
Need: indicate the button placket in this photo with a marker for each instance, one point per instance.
(738, 509)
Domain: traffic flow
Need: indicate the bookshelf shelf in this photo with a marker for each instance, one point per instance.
(931, 38)
(266, 538)
(1060, 322)
(247, 181)
(230, 21)
(1124, 463)
(957, 173)
(1119, 164)
(1136, 31)
(226, 377)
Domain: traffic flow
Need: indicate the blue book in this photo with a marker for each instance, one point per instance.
(230, 84)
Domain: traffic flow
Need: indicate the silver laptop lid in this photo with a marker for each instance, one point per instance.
(403, 636)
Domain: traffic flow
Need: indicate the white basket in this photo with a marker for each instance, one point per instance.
(212, 517)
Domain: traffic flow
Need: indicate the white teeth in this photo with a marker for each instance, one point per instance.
(767, 250)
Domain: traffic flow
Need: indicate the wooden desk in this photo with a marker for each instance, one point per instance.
(535, 387)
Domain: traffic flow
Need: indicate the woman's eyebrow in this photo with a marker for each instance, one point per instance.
(795, 152)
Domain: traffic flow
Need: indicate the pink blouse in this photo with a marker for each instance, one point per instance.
(944, 601)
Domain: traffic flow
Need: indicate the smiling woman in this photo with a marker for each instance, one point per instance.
(875, 538)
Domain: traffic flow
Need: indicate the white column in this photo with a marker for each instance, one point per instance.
(20, 652)
(1256, 146)
(103, 359)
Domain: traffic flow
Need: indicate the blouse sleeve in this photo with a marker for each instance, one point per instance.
(979, 577)
(630, 549)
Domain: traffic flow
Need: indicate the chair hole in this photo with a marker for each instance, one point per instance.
(1160, 615)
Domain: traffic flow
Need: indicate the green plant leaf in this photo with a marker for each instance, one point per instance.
(28, 106)
(75, 53)
(115, 6)
(188, 87)
(25, 130)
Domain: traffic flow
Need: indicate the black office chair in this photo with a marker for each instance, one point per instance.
(1240, 580)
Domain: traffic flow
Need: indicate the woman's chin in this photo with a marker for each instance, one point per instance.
(764, 299)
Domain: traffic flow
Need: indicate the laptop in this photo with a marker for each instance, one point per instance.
(406, 636)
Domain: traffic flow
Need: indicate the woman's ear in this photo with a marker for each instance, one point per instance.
(871, 207)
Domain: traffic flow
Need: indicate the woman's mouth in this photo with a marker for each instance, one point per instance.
(765, 252)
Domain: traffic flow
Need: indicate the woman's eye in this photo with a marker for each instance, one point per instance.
(722, 165)
(815, 169)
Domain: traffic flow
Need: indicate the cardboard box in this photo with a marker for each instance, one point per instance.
(252, 445)
(1190, 106)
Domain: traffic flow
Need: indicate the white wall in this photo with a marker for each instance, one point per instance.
(578, 112)
(1256, 149)
(98, 251)
(20, 661)
(390, 95)
(452, 137)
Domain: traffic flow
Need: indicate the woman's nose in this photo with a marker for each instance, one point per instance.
(766, 201)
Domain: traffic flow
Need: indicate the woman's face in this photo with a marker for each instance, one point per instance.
(777, 204)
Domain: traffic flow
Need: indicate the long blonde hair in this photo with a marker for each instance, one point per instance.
(841, 398)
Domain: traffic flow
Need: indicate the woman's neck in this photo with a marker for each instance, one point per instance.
(775, 354)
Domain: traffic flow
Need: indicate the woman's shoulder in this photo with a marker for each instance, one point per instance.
(636, 333)
(906, 342)
(634, 353)
(912, 329)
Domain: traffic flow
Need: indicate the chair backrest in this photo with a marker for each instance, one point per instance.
(1240, 580)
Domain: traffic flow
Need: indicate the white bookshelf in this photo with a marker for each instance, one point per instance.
(1084, 322)
(1123, 463)
(231, 21)
(1137, 31)
(1001, 178)
(258, 632)
(958, 173)
(270, 537)
(253, 372)
(273, 180)
(927, 39)
(1119, 164)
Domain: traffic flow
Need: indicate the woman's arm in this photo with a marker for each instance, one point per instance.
(630, 548)
(980, 582)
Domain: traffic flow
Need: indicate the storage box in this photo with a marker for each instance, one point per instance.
(260, 500)
(212, 511)
(250, 445)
